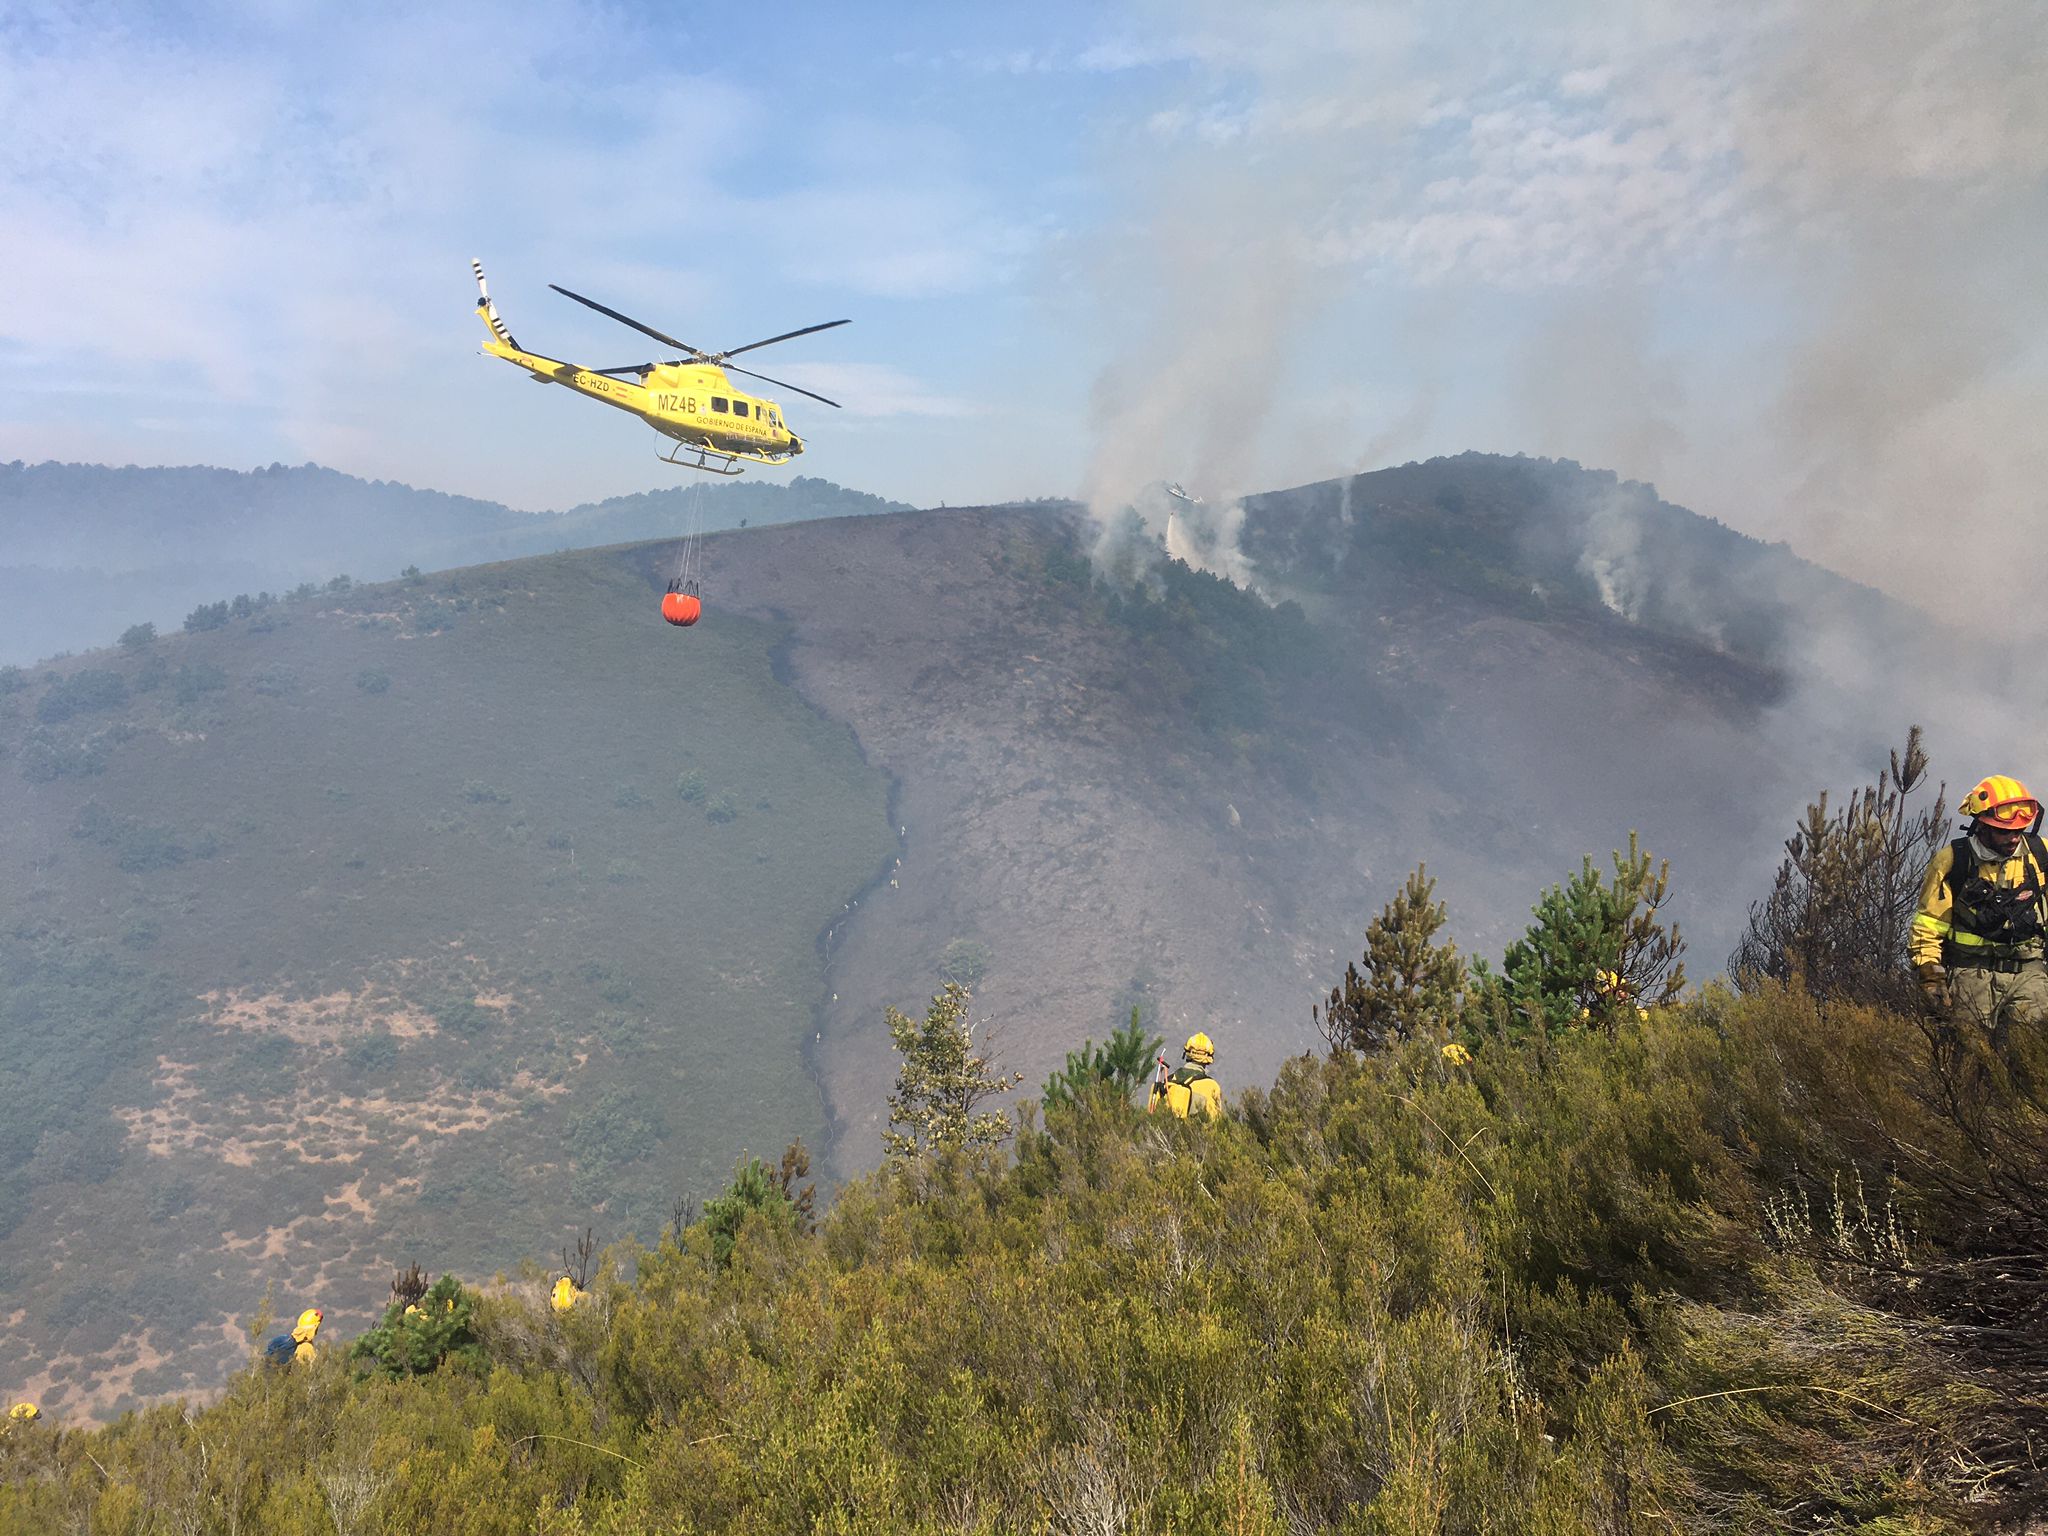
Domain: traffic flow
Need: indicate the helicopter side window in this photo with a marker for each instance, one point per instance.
(739, 407)
(718, 403)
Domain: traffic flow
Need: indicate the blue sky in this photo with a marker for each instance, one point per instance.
(1783, 261)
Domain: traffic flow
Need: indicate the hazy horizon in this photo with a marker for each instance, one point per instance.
(1747, 258)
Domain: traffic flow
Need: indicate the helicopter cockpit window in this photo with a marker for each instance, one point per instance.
(718, 402)
(739, 407)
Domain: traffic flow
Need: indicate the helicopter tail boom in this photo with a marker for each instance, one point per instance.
(489, 311)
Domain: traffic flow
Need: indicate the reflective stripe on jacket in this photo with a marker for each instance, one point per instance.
(1935, 935)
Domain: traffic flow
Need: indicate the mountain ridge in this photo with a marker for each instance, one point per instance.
(495, 866)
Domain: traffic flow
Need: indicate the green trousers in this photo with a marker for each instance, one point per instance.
(1996, 1001)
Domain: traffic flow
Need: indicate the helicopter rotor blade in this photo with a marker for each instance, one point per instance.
(644, 330)
(782, 384)
(785, 336)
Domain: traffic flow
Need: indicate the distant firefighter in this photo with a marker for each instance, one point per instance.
(565, 1295)
(20, 1416)
(681, 605)
(296, 1347)
(1189, 1088)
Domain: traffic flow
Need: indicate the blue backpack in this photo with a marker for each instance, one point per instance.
(279, 1351)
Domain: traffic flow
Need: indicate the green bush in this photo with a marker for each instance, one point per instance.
(94, 688)
(418, 1339)
(1124, 1063)
(965, 961)
(752, 1192)
(195, 680)
(462, 1016)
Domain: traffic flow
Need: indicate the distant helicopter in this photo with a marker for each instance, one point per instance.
(688, 398)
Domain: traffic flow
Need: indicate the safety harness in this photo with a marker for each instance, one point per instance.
(1992, 923)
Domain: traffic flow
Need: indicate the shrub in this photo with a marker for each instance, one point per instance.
(206, 616)
(723, 808)
(418, 1338)
(138, 637)
(373, 680)
(373, 1055)
(275, 682)
(463, 1016)
(942, 1082)
(1124, 1062)
(1837, 915)
(44, 758)
(1411, 982)
(1596, 954)
(691, 786)
(965, 961)
(756, 1190)
(195, 680)
(94, 688)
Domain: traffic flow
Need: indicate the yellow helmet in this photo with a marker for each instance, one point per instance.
(24, 1413)
(1200, 1049)
(2005, 803)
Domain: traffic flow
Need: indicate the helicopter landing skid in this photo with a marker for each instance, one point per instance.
(703, 461)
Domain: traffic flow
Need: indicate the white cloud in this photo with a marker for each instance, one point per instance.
(274, 212)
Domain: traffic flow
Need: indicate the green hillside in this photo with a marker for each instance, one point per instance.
(1727, 1268)
(415, 920)
(436, 919)
(88, 549)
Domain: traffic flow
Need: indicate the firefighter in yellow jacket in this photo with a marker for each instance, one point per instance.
(1189, 1089)
(1977, 941)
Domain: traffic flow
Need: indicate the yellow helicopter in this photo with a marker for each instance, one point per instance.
(689, 398)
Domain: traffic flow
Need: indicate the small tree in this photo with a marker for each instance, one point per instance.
(1410, 980)
(138, 637)
(772, 1192)
(1837, 916)
(580, 1263)
(1125, 1060)
(941, 1083)
(414, 1339)
(1597, 951)
(965, 961)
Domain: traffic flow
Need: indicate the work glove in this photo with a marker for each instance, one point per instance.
(1933, 987)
